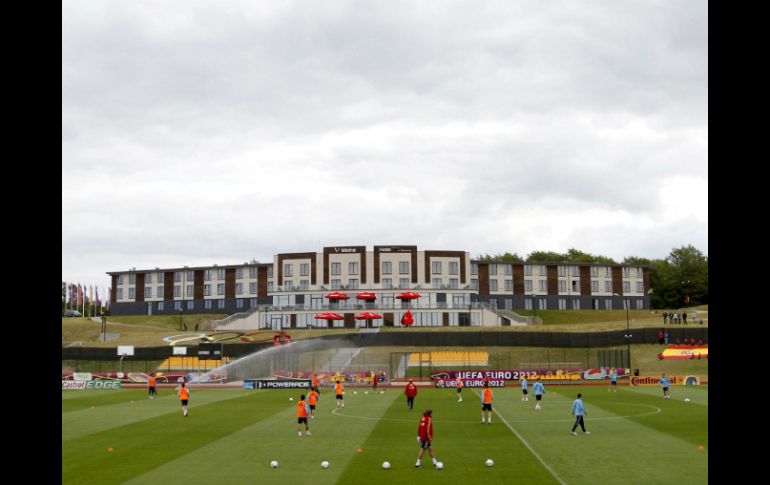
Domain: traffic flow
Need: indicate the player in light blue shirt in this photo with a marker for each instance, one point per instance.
(524, 396)
(665, 382)
(614, 381)
(579, 411)
(538, 389)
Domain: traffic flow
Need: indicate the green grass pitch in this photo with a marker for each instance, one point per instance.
(230, 436)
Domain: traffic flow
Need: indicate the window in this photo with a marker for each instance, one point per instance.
(626, 287)
(132, 279)
(207, 304)
(161, 306)
(542, 270)
(190, 305)
(238, 288)
(575, 286)
(576, 271)
(508, 285)
(191, 276)
(221, 304)
(594, 271)
(304, 269)
(387, 267)
(607, 272)
(148, 278)
(207, 275)
(335, 284)
(527, 270)
(474, 284)
(403, 282)
(436, 267)
(454, 283)
(269, 271)
(403, 267)
(352, 268)
(120, 293)
(177, 291)
(161, 278)
(562, 270)
(454, 268)
(238, 273)
(576, 303)
(562, 286)
(189, 291)
(287, 270)
(492, 270)
(177, 276)
(177, 305)
(252, 303)
(253, 273)
(131, 293)
(304, 284)
(353, 283)
(253, 288)
(507, 269)
(122, 279)
(608, 304)
(336, 268)
(474, 268)
(562, 303)
(269, 286)
(436, 282)
(638, 272)
(594, 285)
(639, 287)
(239, 303)
(626, 272)
(527, 285)
(147, 292)
(387, 283)
(206, 290)
(608, 286)
(528, 304)
(220, 274)
(288, 284)
(221, 289)
(639, 304)
(492, 285)
(542, 286)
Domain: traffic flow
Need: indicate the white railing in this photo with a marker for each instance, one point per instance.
(214, 324)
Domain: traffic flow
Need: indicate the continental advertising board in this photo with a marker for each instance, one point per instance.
(642, 381)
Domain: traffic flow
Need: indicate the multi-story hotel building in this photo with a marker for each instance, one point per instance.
(454, 289)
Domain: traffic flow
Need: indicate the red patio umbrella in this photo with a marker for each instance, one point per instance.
(336, 295)
(367, 295)
(368, 316)
(408, 295)
(329, 316)
(407, 319)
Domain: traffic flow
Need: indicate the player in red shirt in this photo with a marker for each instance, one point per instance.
(411, 392)
(374, 382)
(425, 437)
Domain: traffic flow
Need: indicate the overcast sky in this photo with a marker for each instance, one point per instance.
(199, 132)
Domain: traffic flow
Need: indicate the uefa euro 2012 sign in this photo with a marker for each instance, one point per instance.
(80, 385)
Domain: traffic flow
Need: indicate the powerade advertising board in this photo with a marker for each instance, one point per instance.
(275, 384)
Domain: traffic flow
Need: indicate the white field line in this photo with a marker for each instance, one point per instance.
(532, 450)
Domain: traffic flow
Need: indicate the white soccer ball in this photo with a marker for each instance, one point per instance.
(490, 462)
(386, 465)
(324, 464)
(274, 464)
(439, 465)
(355, 392)
(291, 399)
(382, 392)
(366, 392)
(687, 399)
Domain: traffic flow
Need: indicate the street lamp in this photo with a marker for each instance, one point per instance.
(627, 335)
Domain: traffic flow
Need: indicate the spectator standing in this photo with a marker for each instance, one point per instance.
(684, 318)
(665, 318)
(665, 337)
(660, 337)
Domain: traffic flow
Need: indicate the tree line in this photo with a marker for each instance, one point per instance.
(678, 280)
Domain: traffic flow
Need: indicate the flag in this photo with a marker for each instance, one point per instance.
(80, 295)
(109, 296)
(98, 302)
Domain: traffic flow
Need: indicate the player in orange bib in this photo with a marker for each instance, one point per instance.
(302, 411)
(316, 383)
(312, 400)
(184, 396)
(151, 385)
(339, 391)
(486, 403)
(459, 390)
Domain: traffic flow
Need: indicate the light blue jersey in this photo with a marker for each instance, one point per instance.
(577, 407)
(665, 382)
(524, 384)
(614, 376)
(538, 388)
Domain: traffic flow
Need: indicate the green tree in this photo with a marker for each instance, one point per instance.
(545, 257)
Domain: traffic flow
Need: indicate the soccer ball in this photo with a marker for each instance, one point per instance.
(687, 399)
(366, 392)
(355, 393)
(490, 462)
(382, 392)
(439, 465)
(324, 464)
(291, 399)
(386, 465)
(273, 464)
